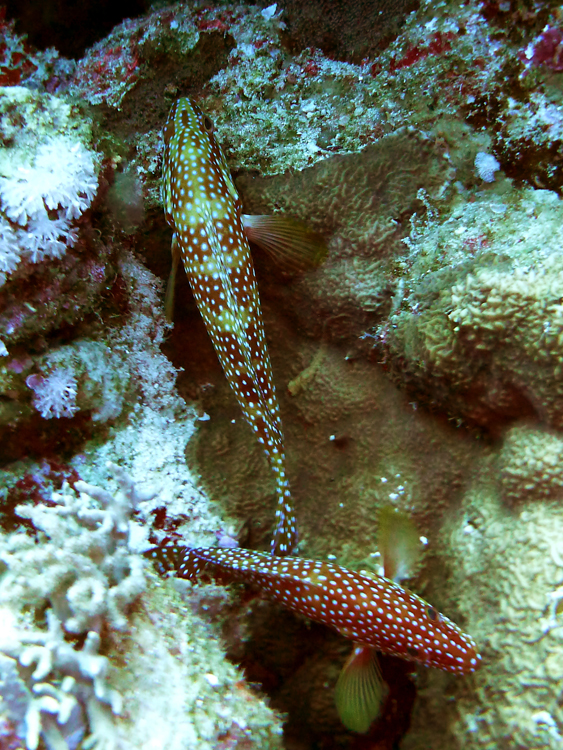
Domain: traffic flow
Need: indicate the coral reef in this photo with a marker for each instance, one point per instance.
(89, 573)
(422, 362)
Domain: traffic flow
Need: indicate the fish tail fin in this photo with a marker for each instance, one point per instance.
(170, 557)
(360, 690)
(289, 242)
(285, 536)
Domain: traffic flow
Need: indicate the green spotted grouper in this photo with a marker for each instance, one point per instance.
(210, 234)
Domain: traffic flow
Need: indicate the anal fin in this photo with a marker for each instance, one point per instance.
(171, 285)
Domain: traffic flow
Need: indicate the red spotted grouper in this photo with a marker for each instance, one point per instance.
(203, 208)
(374, 612)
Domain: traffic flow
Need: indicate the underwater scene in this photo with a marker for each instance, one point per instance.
(281, 375)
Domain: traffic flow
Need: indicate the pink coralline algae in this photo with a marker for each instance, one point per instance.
(16, 61)
(215, 19)
(439, 44)
(104, 67)
(113, 66)
(21, 64)
(546, 50)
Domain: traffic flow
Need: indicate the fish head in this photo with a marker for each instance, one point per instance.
(460, 653)
(434, 640)
(193, 161)
(395, 621)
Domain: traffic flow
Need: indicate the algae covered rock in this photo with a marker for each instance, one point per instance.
(180, 691)
(479, 330)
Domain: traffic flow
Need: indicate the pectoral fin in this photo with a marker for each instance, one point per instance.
(289, 242)
(399, 543)
(360, 690)
(171, 285)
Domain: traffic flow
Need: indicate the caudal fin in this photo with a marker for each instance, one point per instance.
(169, 557)
(285, 536)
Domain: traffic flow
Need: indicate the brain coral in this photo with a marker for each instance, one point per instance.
(480, 330)
(360, 202)
(360, 198)
(506, 569)
(531, 464)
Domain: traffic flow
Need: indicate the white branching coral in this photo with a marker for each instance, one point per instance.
(86, 566)
(49, 688)
(61, 177)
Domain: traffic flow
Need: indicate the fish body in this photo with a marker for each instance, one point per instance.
(204, 210)
(372, 611)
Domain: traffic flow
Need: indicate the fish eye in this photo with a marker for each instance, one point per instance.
(432, 614)
(208, 123)
(411, 651)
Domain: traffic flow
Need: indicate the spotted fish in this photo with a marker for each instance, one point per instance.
(374, 612)
(210, 233)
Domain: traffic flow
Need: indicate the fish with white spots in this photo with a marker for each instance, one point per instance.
(373, 611)
(210, 234)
